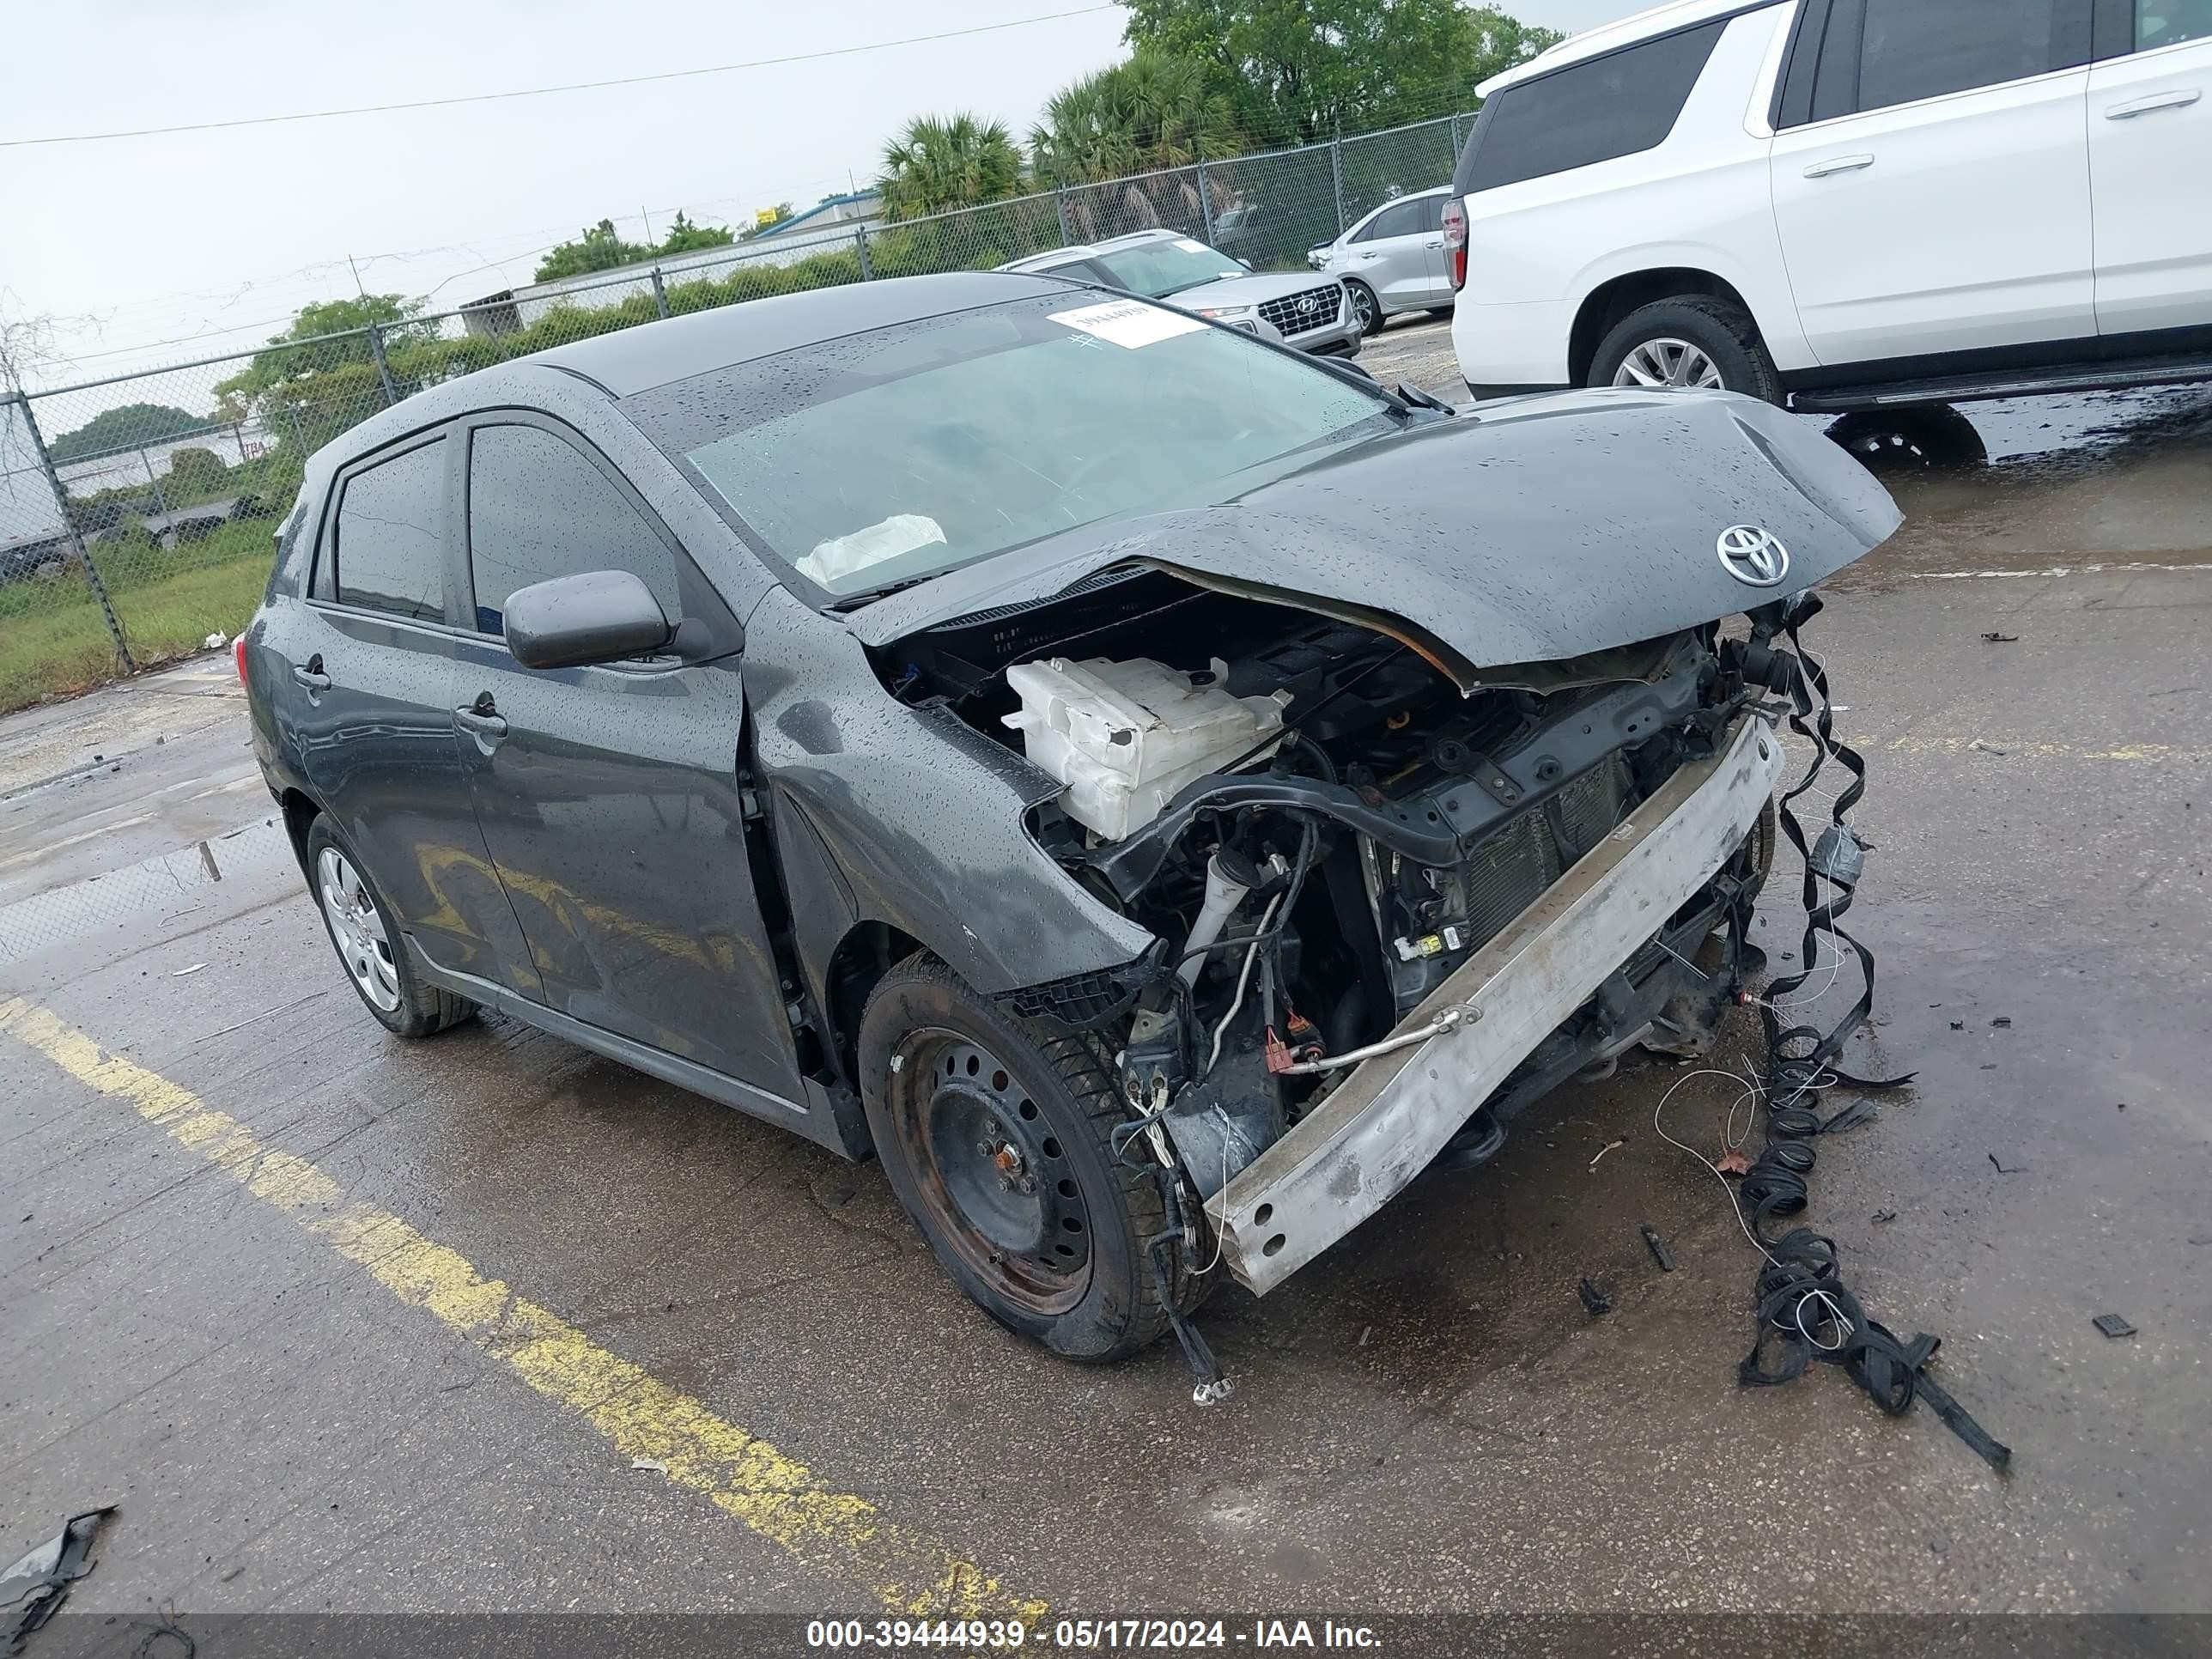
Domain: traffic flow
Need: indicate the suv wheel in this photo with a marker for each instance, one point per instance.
(1690, 341)
(994, 1130)
(1365, 309)
(369, 944)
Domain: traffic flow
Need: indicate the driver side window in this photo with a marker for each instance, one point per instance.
(539, 508)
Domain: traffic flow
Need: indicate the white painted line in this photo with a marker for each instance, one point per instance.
(2052, 570)
(38, 852)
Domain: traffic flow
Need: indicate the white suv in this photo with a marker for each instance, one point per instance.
(1843, 204)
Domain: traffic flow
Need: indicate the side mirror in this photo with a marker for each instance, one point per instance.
(601, 615)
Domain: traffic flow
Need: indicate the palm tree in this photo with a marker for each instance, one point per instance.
(1150, 112)
(939, 163)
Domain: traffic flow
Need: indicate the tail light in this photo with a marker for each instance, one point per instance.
(1456, 241)
(238, 656)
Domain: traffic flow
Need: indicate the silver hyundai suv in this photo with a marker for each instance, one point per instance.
(1309, 314)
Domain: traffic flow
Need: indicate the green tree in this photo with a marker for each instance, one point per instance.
(684, 237)
(319, 377)
(942, 162)
(597, 248)
(196, 472)
(1152, 112)
(1297, 70)
(124, 425)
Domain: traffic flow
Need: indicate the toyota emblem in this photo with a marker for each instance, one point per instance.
(1752, 556)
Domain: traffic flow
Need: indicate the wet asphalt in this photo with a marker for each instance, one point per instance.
(1426, 1419)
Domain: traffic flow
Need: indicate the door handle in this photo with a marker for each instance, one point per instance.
(1839, 164)
(1439, 242)
(482, 719)
(1366, 257)
(310, 674)
(2178, 98)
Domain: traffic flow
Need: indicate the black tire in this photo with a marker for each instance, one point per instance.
(1919, 436)
(416, 1010)
(1367, 308)
(1724, 332)
(1047, 1098)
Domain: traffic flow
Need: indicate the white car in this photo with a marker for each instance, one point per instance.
(1392, 261)
(1846, 204)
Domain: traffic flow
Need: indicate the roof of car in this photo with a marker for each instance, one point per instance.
(1610, 37)
(634, 360)
(1075, 250)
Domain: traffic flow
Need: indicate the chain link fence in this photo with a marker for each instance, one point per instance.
(137, 512)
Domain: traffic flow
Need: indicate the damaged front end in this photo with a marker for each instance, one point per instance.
(1395, 899)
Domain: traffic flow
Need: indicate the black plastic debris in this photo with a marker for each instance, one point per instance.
(41, 1579)
(1995, 638)
(1593, 1298)
(2017, 1169)
(2002, 1022)
(1958, 1025)
(1658, 1246)
(2113, 1325)
(1882, 1217)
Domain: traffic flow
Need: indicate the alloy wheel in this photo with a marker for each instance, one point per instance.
(1668, 362)
(356, 929)
(1365, 308)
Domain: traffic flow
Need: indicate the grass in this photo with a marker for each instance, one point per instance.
(53, 641)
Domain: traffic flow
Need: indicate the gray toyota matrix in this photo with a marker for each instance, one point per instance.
(1157, 793)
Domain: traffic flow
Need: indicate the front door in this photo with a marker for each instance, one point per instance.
(609, 795)
(1938, 200)
(2150, 168)
(364, 689)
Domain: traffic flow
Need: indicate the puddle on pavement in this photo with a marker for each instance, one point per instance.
(142, 900)
(2112, 477)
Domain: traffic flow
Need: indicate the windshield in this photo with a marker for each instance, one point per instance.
(899, 454)
(1156, 270)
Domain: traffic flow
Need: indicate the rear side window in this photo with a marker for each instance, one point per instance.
(538, 508)
(1609, 106)
(1910, 48)
(2167, 22)
(391, 546)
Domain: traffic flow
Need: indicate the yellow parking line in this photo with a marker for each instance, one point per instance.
(778, 1498)
(2160, 753)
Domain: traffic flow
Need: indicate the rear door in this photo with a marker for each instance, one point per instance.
(366, 693)
(1937, 199)
(2150, 165)
(609, 795)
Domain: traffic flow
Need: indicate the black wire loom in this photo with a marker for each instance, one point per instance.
(1806, 1312)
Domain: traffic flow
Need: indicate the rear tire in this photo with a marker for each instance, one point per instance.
(1690, 340)
(993, 1131)
(370, 946)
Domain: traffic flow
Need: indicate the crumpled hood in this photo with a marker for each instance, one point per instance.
(1540, 528)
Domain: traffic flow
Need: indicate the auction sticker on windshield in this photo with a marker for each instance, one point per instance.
(1130, 323)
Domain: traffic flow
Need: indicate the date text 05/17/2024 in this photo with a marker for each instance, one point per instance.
(1088, 1635)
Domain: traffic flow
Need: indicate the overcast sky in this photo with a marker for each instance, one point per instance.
(153, 250)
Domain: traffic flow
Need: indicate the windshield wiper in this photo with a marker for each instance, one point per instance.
(869, 595)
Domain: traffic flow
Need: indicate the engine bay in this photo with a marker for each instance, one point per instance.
(1319, 826)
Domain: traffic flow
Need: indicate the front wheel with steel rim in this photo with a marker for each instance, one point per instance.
(994, 1131)
(1364, 307)
(1691, 341)
(368, 944)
